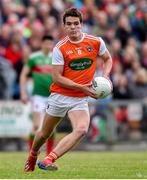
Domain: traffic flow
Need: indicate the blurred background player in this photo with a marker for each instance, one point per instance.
(39, 65)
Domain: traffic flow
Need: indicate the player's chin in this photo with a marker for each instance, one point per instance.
(73, 36)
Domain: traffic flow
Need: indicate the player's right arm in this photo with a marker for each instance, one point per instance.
(23, 79)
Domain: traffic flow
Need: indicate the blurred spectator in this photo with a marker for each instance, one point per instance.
(139, 86)
(5, 36)
(113, 11)
(133, 42)
(7, 79)
(13, 52)
(129, 55)
(139, 20)
(121, 89)
(47, 9)
(121, 115)
(123, 31)
(116, 51)
(101, 25)
(144, 54)
(135, 66)
(51, 27)
(116, 73)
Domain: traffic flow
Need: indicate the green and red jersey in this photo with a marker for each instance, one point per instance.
(40, 66)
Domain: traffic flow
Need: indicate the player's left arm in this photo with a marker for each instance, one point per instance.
(106, 57)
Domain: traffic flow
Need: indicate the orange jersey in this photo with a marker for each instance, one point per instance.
(79, 62)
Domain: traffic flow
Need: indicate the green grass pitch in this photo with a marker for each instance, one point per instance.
(79, 165)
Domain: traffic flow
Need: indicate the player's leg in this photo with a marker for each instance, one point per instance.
(47, 128)
(50, 143)
(49, 123)
(51, 139)
(38, 107)
(80, 120)
(37, 104)
(36, 123)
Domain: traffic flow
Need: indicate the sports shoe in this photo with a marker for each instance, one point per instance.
(47, 164)
(30, 163)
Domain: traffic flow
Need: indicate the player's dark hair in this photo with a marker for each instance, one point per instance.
(73, 12)
(47, 37)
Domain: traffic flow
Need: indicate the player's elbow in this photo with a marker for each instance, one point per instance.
(108, 59)
(56, 79)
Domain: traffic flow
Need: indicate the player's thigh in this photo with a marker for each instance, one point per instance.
(49, 123)
(36, 118)
(79, 119)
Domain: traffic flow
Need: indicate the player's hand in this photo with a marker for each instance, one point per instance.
(24, 98)
(88, 90)
(109, 81)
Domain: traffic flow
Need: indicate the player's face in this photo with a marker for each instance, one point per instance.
(73, 28)
(47, 45)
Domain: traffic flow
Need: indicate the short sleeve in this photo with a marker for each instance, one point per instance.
(57, 58)
(103, 48)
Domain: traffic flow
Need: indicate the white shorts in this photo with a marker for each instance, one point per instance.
(39, 103)
(59, 105)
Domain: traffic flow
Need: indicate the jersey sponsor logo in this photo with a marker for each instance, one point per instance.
(80, 64)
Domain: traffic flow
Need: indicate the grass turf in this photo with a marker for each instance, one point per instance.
(79, 165)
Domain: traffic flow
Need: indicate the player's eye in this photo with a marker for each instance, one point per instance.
(68, 24)
(76, 23)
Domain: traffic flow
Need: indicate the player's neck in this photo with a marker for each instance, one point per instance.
(45, 52)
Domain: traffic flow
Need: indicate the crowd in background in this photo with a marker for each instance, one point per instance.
(121, 23)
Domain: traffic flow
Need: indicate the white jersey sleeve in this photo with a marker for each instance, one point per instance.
(57, 58)
(103, 48)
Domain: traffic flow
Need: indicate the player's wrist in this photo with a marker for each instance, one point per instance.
(79, 86)
(106, 76)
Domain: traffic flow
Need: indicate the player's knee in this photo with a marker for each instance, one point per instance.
(81, 131)
(42, 135)
(35, 128)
